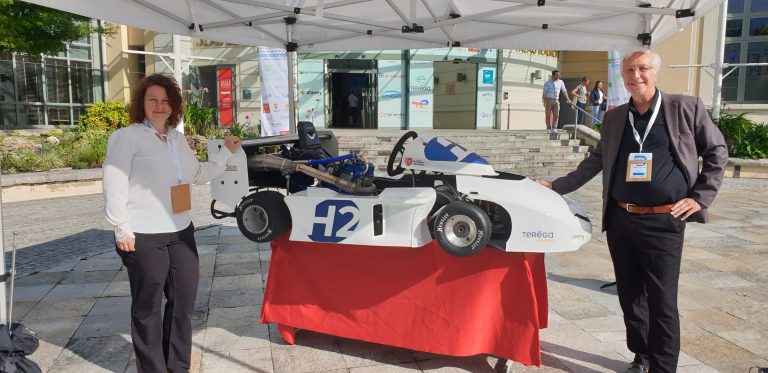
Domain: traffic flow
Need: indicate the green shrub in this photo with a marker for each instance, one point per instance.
(105, 115)
(745, 138)
(85, 147)
(44, 159)
(198, 120)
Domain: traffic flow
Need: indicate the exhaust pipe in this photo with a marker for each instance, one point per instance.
(266, 162)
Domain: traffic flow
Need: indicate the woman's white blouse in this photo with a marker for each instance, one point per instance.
(139, 171)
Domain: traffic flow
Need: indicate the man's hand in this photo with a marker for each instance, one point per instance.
(685, 208)
(128, 245)
(232, 143)
(546, 183)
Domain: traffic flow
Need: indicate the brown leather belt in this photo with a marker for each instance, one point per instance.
(662, 209)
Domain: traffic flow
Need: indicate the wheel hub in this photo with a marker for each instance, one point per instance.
(460, 230)
(255, 219)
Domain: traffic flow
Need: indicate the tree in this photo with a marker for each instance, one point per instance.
(36, 30)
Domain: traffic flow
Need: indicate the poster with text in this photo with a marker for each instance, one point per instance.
(420, 94)
(617, 94)
(486, 95)
(273, 70)
(311, 97)
(226, 109)
(391, 78)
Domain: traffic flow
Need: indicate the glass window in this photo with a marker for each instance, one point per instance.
(7, 90)
(730, 88)
(733, 28)
(8, 115)
(756, 84)
(758, 26)
(81, 52)
(58, 115)
(32, 115)
(57, 80)
(758, 5)
(735, 6)
(29, 74)
(82, 82)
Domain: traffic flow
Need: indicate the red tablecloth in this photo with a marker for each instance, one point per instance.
(416, 298)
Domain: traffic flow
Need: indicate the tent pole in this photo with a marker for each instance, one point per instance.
(719, 56)
(290, 52)
(177, 71)
(3, 299)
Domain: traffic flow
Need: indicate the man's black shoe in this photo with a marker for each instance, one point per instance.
(639, 365)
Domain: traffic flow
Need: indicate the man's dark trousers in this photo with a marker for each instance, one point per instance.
(646, 251)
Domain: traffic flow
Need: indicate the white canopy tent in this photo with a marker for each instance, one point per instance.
(349, 25)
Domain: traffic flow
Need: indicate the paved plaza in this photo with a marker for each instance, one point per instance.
(72, 289)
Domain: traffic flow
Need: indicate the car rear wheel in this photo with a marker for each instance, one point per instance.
(263, 216)
(462, 229)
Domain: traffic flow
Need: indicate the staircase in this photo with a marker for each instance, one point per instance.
(529, 153)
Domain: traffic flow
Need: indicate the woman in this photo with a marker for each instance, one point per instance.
(596, 97)
(580, 93)
(146, 179)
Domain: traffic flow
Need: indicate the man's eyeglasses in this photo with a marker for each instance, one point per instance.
(631, 70)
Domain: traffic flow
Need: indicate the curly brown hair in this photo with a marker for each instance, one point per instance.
(136, 110)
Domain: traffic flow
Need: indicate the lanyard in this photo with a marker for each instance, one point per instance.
(171, 148)
(650, 123)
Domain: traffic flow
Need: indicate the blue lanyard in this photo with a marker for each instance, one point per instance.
(171, 148)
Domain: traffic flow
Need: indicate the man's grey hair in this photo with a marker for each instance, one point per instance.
(640, 50)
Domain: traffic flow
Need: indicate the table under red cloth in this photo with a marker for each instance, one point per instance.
(423, 299)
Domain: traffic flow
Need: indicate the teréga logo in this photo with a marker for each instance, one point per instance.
(334, 220)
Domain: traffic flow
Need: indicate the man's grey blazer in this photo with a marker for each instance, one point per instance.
(692, 134)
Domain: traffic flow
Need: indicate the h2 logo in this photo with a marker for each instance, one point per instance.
(334, 220)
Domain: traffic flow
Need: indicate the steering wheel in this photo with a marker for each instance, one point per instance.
(398, 150)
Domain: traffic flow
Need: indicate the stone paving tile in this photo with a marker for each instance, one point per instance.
(241, 337)
(235, 298)
(313, 352)
(246, 281)
(21, 309)
(90, 276)
(60, 327)
(104, 326)
(117, 289)
(31, 293)
(391, 368)
(71, 291)
(97, 264)
(359, 353)
(236, 361)
(117, 306)
(450, 364)
(103, 366)
(233, 269)
(223, 317)
(48, 309)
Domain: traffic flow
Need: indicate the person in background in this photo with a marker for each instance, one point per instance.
(652, 185)
(147, 173)
(596, 97)
(550, 98)
(580, 93)
(354, 108)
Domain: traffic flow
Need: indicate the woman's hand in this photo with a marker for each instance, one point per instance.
(232, 143)
(128, 245)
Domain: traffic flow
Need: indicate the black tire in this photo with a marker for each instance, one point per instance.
(263, 216)
(398, 150)
(462, 229)
(443, 196)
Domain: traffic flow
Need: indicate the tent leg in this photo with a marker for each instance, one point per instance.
(719, 55)
(291, 59)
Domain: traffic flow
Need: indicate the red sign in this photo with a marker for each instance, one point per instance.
(225, 96)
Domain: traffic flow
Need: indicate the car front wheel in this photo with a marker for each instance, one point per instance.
(263, 216)
(462, 229)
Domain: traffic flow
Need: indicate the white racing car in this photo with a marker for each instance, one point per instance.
(450, 194)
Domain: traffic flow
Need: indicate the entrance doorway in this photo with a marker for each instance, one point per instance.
(352, 91)
(455, 95)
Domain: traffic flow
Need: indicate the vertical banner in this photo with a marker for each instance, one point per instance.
(391, 81)
(420, 86)
(273, 70)
(310, 83)
(617, 94)
(486, 95)
(226, 109)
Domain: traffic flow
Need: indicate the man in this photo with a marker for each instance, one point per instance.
(354, 113)
(580, 92)
(550, 98)
(649, 154)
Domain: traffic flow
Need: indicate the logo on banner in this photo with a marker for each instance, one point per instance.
(391, 94)
(487, 76)
(486, 114)
(334, 220)
(420, 105)
(265, 107)
(408, 161)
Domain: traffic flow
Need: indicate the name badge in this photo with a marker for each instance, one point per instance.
(181, 198)
(639, 167)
